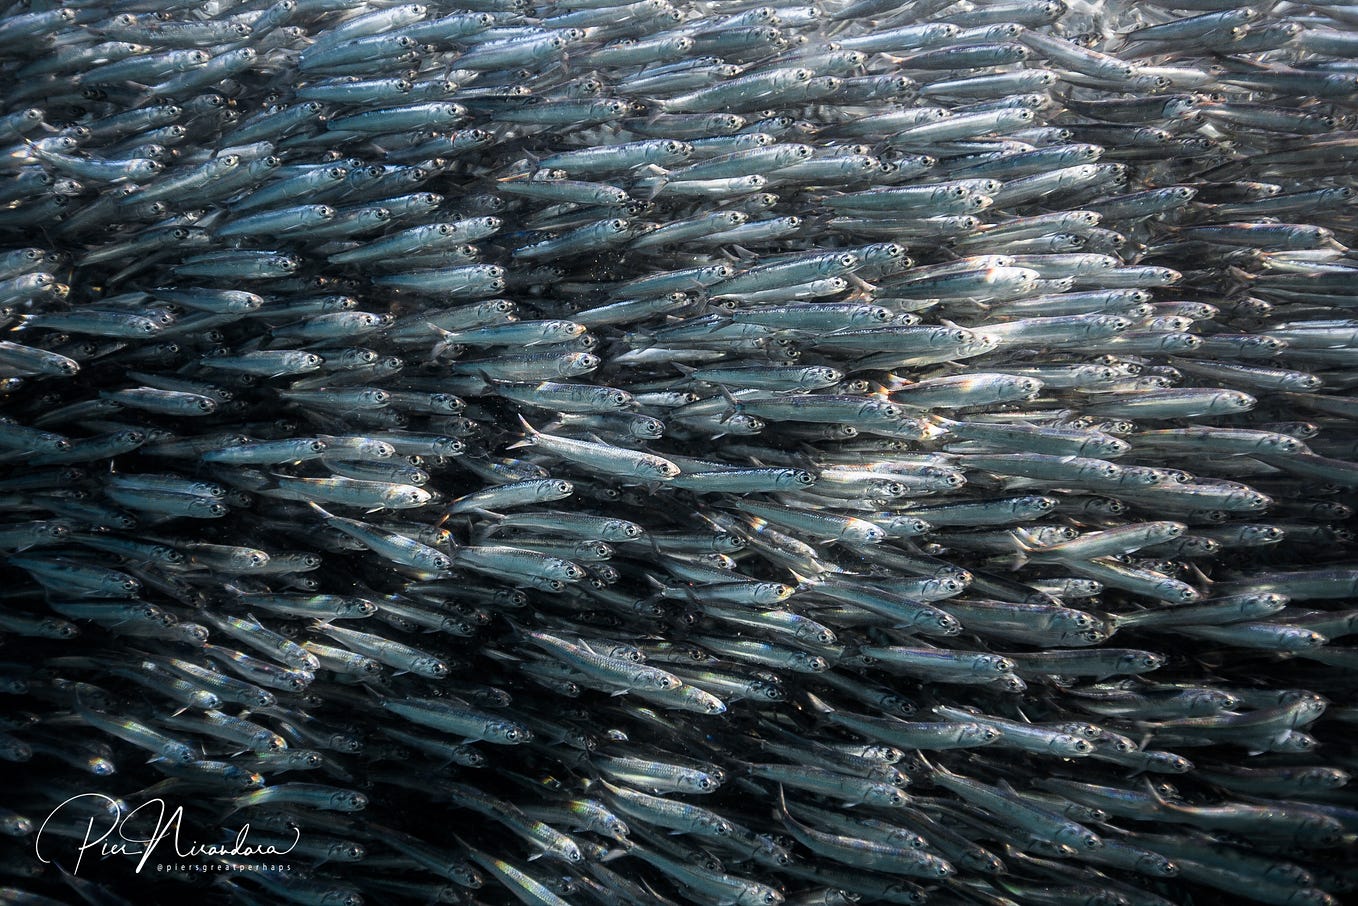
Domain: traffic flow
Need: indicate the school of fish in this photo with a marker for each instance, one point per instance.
(660, 452)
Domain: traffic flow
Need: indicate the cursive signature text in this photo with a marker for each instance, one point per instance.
(115, 839)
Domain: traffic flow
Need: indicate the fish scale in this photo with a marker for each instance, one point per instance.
(1101, 232)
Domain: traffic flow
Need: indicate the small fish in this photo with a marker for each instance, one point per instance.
(842, 349)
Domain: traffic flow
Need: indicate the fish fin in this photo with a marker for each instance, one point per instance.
(732, 402)
(654, 185)
(649, 889)
(938, 421)
(447, 340)
(32, 151)
(1161, 801)
(1240, 64)
(518, 630)
(781, 812)
(527, 441)
(863, 286)
(818, 704)
(937, 769)
(1199, 574)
